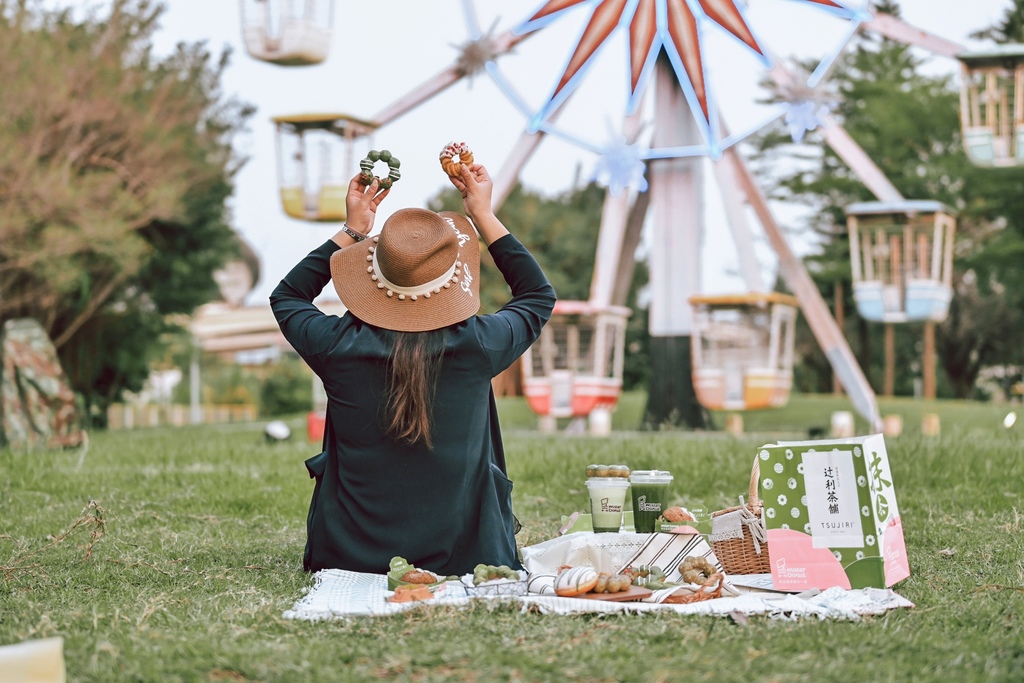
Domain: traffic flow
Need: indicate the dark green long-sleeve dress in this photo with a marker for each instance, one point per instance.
(445, 509)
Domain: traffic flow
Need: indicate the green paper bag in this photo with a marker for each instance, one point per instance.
(830, 513)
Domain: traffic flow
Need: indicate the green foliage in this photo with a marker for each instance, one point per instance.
(114, 350)
(908, 124)
(636, 366)
(287, 388)
(561, 232)
(222, 382)
(204, 530)
(114, 169)
(1010, 29)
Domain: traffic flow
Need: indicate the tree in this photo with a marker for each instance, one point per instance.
(907, 123)
(114, 169)
(561, 232)
(1009, 29)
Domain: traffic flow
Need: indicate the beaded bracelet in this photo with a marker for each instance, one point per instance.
(357, 236)
(366, 168)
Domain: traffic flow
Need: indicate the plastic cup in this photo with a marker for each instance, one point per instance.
(650, 497)
(607, 497)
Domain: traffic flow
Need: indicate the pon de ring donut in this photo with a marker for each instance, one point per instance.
(453, 154)
(366, 168)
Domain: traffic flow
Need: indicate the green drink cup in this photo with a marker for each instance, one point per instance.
(607, 497)
(650, 497)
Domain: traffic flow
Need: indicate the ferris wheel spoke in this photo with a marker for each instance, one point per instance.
(896, 29)
(815, 310)
(852, 154)
(825, 65)
(472, 21)
(510, 171)
(444, 79)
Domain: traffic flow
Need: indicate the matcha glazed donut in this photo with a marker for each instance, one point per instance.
(366, 168)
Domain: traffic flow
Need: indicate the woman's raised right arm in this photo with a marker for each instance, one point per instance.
(305, 326)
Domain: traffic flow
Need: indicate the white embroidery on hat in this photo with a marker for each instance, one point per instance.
(463, 237)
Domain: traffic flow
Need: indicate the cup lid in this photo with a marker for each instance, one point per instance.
(650, 476)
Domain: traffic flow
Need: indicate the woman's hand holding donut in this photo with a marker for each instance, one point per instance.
(475, 185)
(361, 204)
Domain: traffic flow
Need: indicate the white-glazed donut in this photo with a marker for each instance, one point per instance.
(541, 584)
(575, 581)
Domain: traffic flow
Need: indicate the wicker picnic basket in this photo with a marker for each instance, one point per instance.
(749, 554)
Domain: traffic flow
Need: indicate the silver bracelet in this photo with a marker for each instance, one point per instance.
(358, 237)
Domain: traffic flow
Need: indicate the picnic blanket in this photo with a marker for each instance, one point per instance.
(340, 594)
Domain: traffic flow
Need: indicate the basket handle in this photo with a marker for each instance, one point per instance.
(755, 477)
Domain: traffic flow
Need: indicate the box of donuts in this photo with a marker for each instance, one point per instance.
(830, 514)
(693, 519)
(401, 573)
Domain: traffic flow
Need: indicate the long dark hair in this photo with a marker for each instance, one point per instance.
(412, 380)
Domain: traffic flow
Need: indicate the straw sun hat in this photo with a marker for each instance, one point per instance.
(422, 272)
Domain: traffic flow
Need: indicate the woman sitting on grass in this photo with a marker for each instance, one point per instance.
(413, 464)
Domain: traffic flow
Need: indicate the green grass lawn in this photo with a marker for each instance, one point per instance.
(189, 545)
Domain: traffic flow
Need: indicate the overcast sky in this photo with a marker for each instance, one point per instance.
(382, 50)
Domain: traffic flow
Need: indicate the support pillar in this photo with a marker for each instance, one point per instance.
(677, 199)
(890, 360)
(840, 309)
(928, 362)
(815, 310)
(195, 410)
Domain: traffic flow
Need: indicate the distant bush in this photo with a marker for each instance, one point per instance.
(286, 388)
(222, 383)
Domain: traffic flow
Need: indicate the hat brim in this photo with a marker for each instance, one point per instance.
(364, 299)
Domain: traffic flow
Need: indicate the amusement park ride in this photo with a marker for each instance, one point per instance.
(742, 344)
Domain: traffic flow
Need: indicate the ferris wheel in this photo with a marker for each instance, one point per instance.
(739, 348)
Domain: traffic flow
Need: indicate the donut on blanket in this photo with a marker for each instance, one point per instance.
(575, 581)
